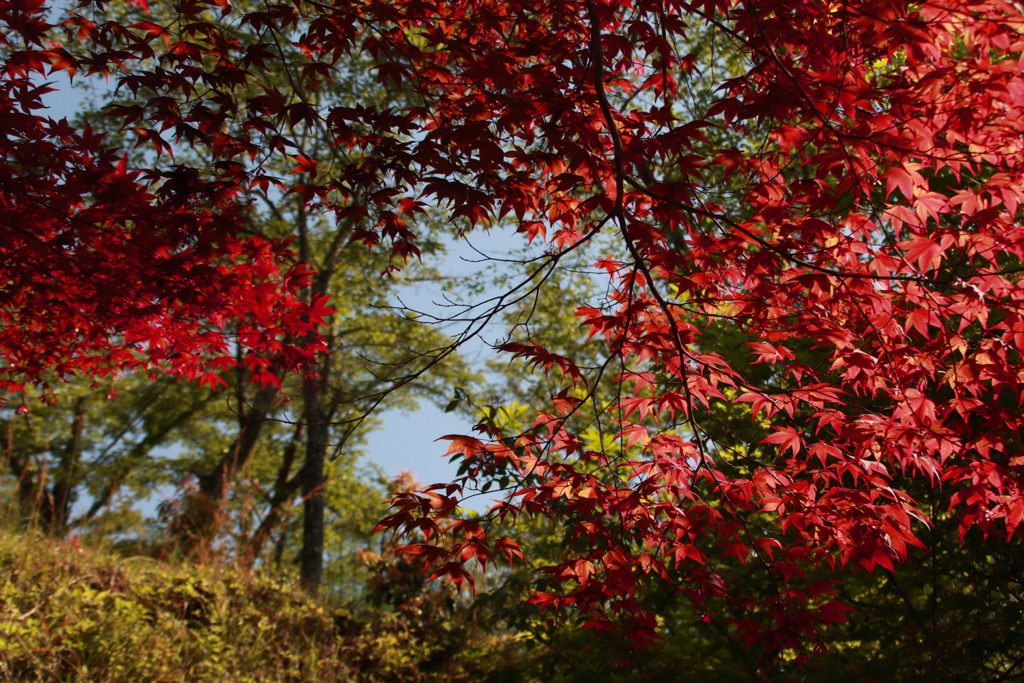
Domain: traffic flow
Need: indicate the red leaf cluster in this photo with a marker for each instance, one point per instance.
(107, 268)
(880, 224)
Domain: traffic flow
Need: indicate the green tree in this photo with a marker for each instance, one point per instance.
(296, 439)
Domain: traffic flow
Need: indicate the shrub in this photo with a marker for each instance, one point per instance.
(68, 613)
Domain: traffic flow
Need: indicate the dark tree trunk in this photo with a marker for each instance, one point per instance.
(284, 488)
(317, 420)
(311, 558)
(213, 487)
(64, 485)
(19, 468)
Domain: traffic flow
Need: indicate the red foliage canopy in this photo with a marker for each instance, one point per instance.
(106, 268)
(877, 168)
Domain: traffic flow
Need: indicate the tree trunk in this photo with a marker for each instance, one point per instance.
(317, 420)
(284, 488)
(200, 528)
(21, 470)
(311, 558)
(64, 485)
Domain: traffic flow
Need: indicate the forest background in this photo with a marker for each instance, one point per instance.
(207, 272)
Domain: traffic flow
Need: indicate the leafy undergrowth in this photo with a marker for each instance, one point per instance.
(69, 613)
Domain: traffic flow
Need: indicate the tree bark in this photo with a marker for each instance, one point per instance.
(21, 470)
(214, 487)
(311, 558)
(284, 488)
(64, 486)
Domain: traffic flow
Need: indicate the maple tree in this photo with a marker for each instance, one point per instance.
(848, 198)
(876, 219)
(108, 268)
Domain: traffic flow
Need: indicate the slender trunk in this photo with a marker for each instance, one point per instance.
(41, 499)
(214, 487)
(20, 469)
(317, 420)
(284, 488)
(33, 498)
(50, 507)
(311, 558)
(282, 543)
(64, 485)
